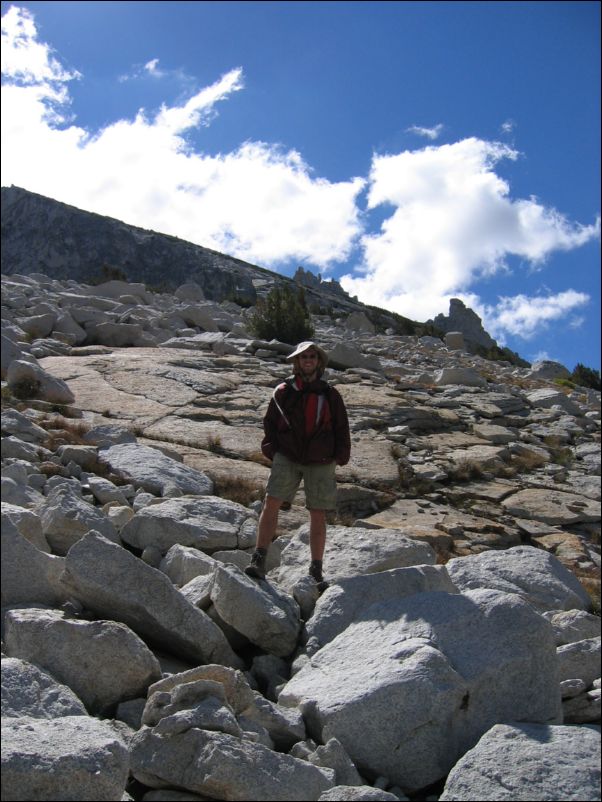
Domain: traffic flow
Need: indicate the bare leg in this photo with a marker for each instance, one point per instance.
(317, 533)
(268, 521)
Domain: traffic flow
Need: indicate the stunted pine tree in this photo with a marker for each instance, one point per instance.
(586, 377)
(283, 315)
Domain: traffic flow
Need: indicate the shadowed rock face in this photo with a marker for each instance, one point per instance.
(40, 235)
(468, 524)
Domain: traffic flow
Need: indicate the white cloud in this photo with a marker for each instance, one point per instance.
(152, 71)
(267, 204)
(508, 126)
(429, 133)
(453, 223)
(542, 356)
(524, 316)
(23, 57)
(139, 71)
(200, 108)
(577, 322)
(152, 67)
(258, 202)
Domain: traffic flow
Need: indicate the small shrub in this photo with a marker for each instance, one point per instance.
(64, 431)
(560, 453)
(25, 388)
(345, 518)
(466, 470)
(585, 377)
(563, 456)
(50, 469)
(59, 409)
(497, 354)
(258, 457)
(76, 426)
(240, 300)
(398, 451)
(528, 461)
(552, 441)
(410, 484)
(566, 383)
(214, 444)
(242, 491)
(159, 289)
(108, 273)
(405, 473)
(592, 588)
(283, 315)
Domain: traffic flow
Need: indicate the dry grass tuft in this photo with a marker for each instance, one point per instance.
(63, 431)
(466, 470)
(25, 389)
(592, 588)
(528, 461)
(257, 456)
(242, 491)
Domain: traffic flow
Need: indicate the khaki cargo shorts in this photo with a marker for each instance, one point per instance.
(319, 482)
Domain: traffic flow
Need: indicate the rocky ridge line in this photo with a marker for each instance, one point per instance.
(42, 235)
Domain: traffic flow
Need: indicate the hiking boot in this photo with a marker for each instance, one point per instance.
(315, 572)
(256, 569)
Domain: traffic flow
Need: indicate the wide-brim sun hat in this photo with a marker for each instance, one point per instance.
(305, 346)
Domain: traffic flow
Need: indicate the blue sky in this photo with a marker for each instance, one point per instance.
(415, 151)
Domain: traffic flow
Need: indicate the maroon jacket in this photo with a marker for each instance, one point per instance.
(285, 426)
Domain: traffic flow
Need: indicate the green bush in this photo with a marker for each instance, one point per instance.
(25, 388)
(569, 383)
(283, 315)
(586, 377)
(108, 273)
(497, 354)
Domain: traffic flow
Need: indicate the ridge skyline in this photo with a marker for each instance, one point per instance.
(54, 249)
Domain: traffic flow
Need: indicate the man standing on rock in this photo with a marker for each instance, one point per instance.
(306, 437)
